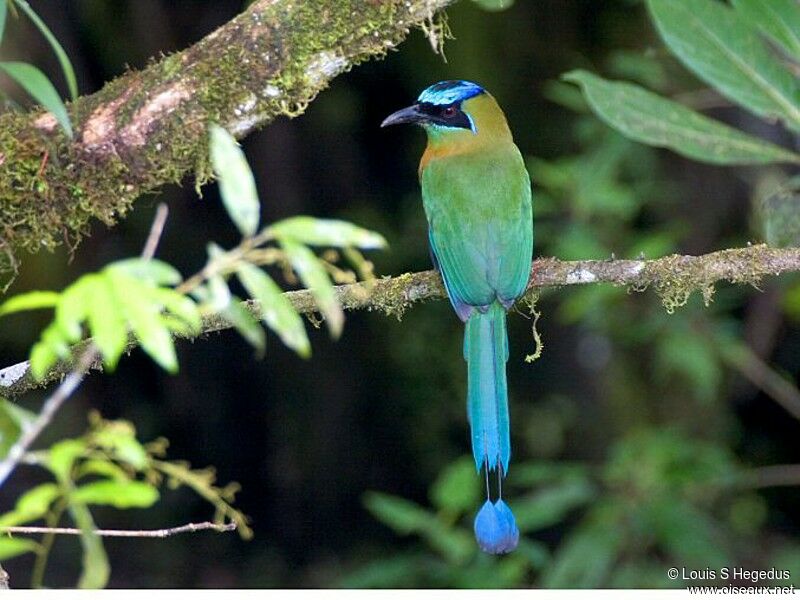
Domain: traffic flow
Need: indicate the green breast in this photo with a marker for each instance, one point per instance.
(479, 213)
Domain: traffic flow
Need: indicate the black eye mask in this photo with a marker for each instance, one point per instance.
(448, 115)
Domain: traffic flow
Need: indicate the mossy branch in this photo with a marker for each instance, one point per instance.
(148, 128)
(674, 278)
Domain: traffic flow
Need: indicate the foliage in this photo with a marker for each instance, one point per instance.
(31, 79)
(146, 301)
(134, 295)
(731, 49)
(107, 466)
(659, 494)
(636, 441)
(723, 46)
(129, 295)
(661, 497)
(648, 118)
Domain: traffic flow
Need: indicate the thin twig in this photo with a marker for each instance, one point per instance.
(126, 533)
(49, 409)
(87, 357)
(764, 377)
(156, 229)
(772, 476)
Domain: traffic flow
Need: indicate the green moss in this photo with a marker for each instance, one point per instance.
(389, 295)
(40, 182)
(530, 299)
(675, 278)
(394, 295)
(50, 189)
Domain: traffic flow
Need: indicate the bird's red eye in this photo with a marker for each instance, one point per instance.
(450, 111)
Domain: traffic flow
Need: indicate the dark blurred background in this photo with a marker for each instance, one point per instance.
(638, 439)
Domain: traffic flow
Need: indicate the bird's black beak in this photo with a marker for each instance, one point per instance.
(411, 114)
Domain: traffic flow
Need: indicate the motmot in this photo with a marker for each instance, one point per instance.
(476, 194)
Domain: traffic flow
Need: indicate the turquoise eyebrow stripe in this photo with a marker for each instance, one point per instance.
(448, 92)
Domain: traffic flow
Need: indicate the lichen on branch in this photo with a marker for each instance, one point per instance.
(148, 128)
(674, 278)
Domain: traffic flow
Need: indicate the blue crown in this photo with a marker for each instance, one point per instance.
(447, 92)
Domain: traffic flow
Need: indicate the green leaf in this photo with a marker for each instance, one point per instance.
(29, 300)
(400, 514)
(177, 327)
(715, 43)
(779, 19)
(145, 320)
(640, 67)
(748, 514)
(786, 557)
(276, 311)
(11, 547)
(3, 15)
(54, 338)
(236, 184)
(247, 326)
(62, 456)
(117, 493)
(316, 278)
(39, 87)
(690, 356)
(102, 467)
(651, 119)
(96, 569)
(585, 557)
(48, 350)
(458, 488)
(42, 358)
(125, 293)
(179, 305)
(551, 505)
(10, 428)
(791, 301)
(327, 232)
(106, 322)
(455, 545)
(36, 502)
(394, 571)
(687, 534)
(406, 517)
(119, 439)
(132, 452)
(32, 505)
(151, 270)
(219, 295)
(73, 306)
(21, 415)
(63, 59)
(499, 573)
(494, 5)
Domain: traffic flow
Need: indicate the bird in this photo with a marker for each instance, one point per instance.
(477, 199)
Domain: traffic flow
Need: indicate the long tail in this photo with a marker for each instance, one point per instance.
(486, 353)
